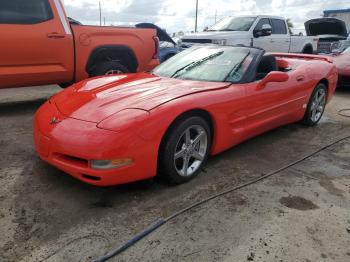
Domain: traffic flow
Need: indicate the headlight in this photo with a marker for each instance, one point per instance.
(124, 120)
(219, 41)
(110, 164)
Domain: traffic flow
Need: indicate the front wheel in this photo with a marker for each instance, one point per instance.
(316, 105)
(185, 150)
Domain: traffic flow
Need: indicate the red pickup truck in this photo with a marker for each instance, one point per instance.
(39, 45)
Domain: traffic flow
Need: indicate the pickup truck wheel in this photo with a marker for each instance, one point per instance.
(109, 68)
(64, 85)
(308, 50)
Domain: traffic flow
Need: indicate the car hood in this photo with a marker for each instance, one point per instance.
(96, 99)
(216, 35)
(326, 26)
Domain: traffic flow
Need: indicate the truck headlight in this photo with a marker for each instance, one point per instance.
(110, 164)
(219, 41)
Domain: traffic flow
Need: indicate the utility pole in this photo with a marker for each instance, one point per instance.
(195, 27)
(99, 4)
(104, 20)
(216, 14)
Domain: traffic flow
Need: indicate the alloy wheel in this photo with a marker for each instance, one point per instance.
(190, 150)
(318, 105)
(114, 72)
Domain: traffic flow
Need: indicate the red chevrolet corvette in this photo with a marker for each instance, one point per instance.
(122, 128)
(342, 62)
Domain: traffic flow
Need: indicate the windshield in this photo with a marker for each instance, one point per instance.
(210, 63)
(234, 24)
(347, 50)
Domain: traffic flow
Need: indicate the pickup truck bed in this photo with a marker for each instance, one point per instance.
(40, 46)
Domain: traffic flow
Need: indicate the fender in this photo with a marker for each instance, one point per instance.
(112, 53)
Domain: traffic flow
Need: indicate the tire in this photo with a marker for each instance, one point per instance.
(174, 153)
(308, 50)
(108, 68)
(65, 85)
(316, 105)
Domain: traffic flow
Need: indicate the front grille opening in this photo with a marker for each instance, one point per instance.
(93, 178)
(73, 160)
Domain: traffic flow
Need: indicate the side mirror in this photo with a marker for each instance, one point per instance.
(266, 30)
(273, 77)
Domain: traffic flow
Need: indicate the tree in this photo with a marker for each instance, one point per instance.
(290, 26)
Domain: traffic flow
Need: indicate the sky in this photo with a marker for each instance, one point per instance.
(179, 15)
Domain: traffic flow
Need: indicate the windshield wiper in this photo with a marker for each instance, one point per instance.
(196, 63)
(237, 66)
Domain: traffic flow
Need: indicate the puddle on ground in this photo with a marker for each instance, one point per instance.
(297, 202)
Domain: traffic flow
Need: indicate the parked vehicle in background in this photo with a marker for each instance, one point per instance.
(268, 32)
(342, 61)
(329, 31)
(40, 46)
(340, 46)
(168, 121)
(167, 50)
(167, 46)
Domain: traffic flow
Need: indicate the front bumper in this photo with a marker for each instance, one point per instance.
(70, 144)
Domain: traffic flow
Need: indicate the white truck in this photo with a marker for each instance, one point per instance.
(268, 32)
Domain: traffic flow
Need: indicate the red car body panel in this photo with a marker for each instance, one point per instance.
(127, 117)
(342, 62)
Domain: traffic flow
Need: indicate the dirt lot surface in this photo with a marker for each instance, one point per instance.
(300, 214)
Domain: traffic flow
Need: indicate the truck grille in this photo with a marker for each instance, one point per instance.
(326, 46)
(197, 41)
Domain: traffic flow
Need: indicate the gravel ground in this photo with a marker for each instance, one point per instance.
(301, 214)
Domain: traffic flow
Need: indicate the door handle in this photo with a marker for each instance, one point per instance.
(300, 78)
(56, 35)
(272, 41)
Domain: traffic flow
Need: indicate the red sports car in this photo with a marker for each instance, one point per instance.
(342, 61)
(122, 128)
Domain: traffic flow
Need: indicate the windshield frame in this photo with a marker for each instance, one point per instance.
(229, 22)
(252, 53)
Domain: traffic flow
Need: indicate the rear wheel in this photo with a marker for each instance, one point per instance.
(316, 106)
(185, 150)
(308, 50)
(109, 68)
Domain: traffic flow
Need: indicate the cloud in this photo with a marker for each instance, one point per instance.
(179, 15)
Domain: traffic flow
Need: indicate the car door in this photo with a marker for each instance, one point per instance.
(280, 38)
(275, 104)
(263, 41)
(36, 45)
